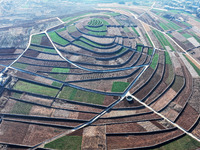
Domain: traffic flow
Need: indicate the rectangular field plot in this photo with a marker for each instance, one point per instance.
(154, 61)
(21, 108)
(56, 38)
(34, 88)
(66, 142)
(82, 96)
(36, 39)
(119, 86)
(20, 65)
(48, 50)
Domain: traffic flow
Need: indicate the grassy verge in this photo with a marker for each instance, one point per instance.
(154, 61)
(184, 143)
(149, 39)
(135, 31)
(82, 96)
(119, 86)
(66, 143)
(164, 42)
(113, 14)
(21, 108)
(193, 65)
(56, 38)
(34, 88)
(167, 58)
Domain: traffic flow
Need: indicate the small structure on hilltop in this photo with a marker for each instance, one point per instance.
(129, 98)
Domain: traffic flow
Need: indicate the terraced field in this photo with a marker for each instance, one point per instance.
(70, 88)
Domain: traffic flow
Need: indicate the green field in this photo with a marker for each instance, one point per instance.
(102, 28)
(178, 83)
(154, 61)
(164, 42)
(97, 33)
(84, 45)
(61, 29)
(81, 96)
(21, 108)
(57, 84)
(56, 38)
(71, 29)
(149, 39)
(36, 39)
(135, 31)
(186, 35)
(171, 74)
(91, 43)
(34, 88)
(150, 51)
(193, 65)
(60, 77)
(66, 143)
(167, 58)
(139, 48)
(43, 49)
(97, 22)
(19, 65)
(113, 14)
(164, 26)
(60, 70)
(184, 143)
(119, 86)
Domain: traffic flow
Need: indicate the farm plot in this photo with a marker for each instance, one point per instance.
(163, 40)
(134, 141)
(57, 39)
(36, 39)
(82, 96)
(35, 88)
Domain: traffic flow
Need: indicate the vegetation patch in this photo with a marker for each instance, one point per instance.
(97, 22)
(21, 108)
(119, 86)
(170, 75)
(154, 61)
(20, 65)
(164, 42)
(61, 29)
(36, 39)
(60, 77)
(167, 58)
(150, 51)
(97, 33)
(186, 35)
(48, 50)
(113, 14)
(82, 44)
(149, 39)
(60, 70)
(56, 38)
(126, 29)
(193, 65)
(71, 29)
(57, 84)
(163, 26)
(35, 88)
(81, 96)
(139, 48)
(178, 83)
(66, 143)
(135, 31)
(184, 143)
